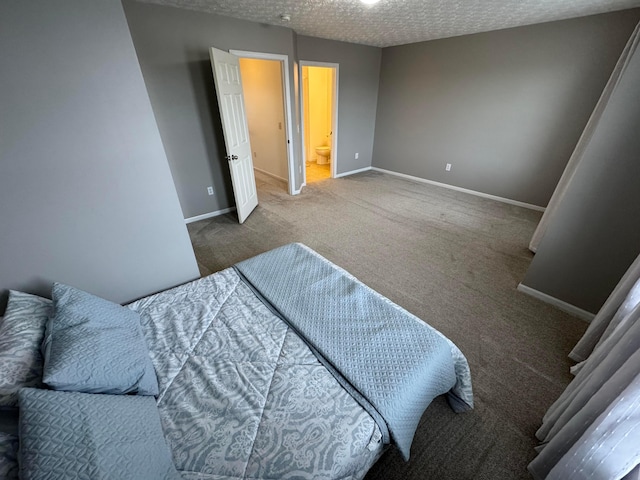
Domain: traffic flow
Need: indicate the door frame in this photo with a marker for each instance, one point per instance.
(334, 118)
(288, 118)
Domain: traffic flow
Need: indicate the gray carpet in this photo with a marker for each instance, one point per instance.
(455, 261)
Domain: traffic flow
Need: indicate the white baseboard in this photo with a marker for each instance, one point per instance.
(352, 172)
(564, 306)
(204, 216)
(272, 175)
(460, 189)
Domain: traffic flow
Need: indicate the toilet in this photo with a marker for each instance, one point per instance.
(323, 153)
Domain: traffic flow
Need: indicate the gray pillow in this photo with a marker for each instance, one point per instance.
(80, 435)
(21, 334)
(95, 346)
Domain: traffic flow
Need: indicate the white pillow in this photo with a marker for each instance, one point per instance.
(21, 335)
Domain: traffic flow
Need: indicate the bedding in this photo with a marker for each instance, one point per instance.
(75, 435)
(246, 388)
(21, 333)
(241, 395)
(8, 456)
(92, 345)
(394, 363)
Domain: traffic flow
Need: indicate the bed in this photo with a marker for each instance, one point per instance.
(283, 366)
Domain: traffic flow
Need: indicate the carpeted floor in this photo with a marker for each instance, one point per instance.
(455, 261)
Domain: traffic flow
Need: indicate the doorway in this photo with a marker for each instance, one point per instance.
(265, 83)
(264, 104)
(319, 115)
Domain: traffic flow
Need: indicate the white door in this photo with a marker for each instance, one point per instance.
(226, 75)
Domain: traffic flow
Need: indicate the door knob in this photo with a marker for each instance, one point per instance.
(231, 157)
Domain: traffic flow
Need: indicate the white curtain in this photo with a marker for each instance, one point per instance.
(593, 430)
(585, 138)
(619, 304)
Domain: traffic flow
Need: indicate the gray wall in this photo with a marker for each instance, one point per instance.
(506, 108)
(595, 234)
(358, 95)
(173, 49)
(86, 195)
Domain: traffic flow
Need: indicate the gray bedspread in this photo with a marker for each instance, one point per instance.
(241, 396)
(392, 362)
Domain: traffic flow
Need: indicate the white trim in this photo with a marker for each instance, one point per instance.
(564, 306)
(269, 174)
(204, 216)
(334, 119)
(287, 104)
(460, 189)
(303, 144)
(311, 63)
(353, 172)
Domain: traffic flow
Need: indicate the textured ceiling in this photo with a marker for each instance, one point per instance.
(396, 22)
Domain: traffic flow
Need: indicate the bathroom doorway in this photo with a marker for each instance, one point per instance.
(319, 120)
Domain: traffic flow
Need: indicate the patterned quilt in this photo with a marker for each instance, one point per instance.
(241, 396)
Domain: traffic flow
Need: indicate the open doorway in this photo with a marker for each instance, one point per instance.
(265, 84)
(264, 104)
(319, 113)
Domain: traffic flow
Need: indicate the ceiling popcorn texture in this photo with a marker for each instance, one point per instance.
(397, 22)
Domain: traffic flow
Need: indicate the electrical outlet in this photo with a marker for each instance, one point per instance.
(357, 155)
(210, 190)
(448, 167)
